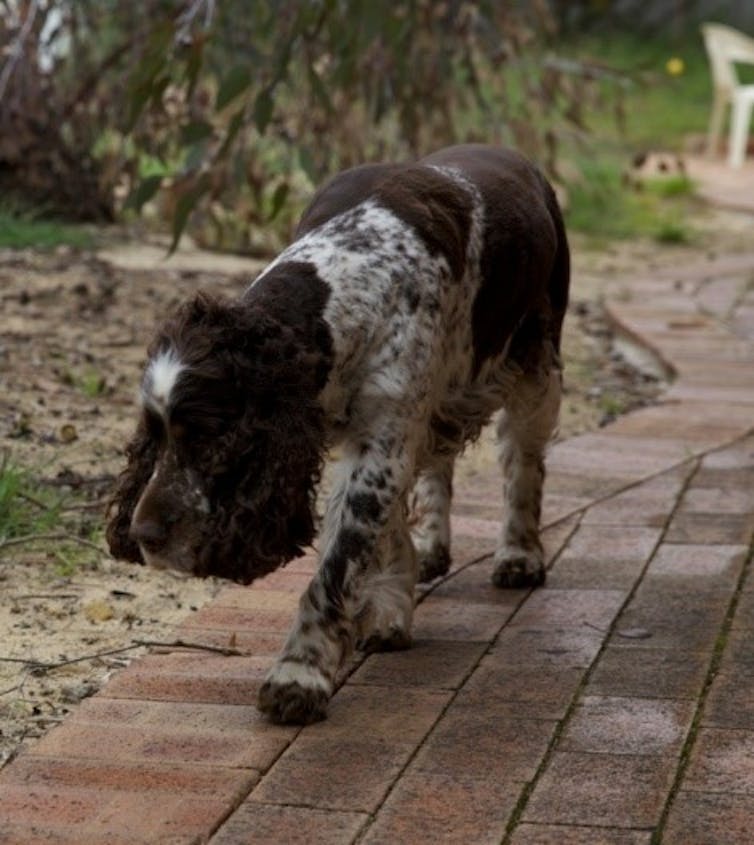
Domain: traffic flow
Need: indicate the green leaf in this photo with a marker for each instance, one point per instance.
(196, 130)
(136, 103)
(235, 124)
(185, 205)
(319, 90)
(194, 64)
(278, 200)
(236, 82)
(306, 160)
(143, 192)
(263, 108)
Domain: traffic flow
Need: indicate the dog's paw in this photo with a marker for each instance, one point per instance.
(294, 693)
(518, 568)
(433, 563)
(397, 639)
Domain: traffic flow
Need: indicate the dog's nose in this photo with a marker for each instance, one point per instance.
(149, 534)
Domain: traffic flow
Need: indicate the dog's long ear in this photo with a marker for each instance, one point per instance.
(266, 510)
(141, 454)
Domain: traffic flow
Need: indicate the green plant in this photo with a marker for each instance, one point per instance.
(604, 205)
(26, 507)
(22, 229)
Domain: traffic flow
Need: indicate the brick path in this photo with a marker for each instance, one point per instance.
(615, 705)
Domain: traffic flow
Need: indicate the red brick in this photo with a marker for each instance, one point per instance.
(537, 692)
(121, 775)
(454, 619)
(711, 528)
(245, 642)
(258, 600)
(619, 725)
(545, 834)
(473, 584)
(575, 490)
(554, 537)
(432, 663)
(614, 790)
(53, 807)
(710, 567)
(235, 619)
(704, 818)
(737, 458)
(676, 616)
(550, 608)
(222, 680)
(607, 556)
(647, 504)
(428, 808)
(161, 816)
(352, 773)
(618, 542)
(711, 500)
(649, 672)
(730, 703)
(568, 648)
(41, 834)
(721, 761)
(476, 742)
(557, 506)
(631, 456)
(255, 823)
(284, 579)
(697, 426)
(157, 745)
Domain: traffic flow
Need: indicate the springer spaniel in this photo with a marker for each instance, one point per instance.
(415, 300)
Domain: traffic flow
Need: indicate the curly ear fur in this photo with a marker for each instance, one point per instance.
(248, 394)
(268, 466)
(265, 506)
(141, 454)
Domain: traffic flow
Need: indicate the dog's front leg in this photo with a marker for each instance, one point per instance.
(362, 511)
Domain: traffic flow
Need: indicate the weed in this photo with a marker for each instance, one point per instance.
(26, 507)
(92, 384)
(23, 229)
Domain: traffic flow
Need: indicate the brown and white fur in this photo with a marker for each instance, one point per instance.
(415, 301)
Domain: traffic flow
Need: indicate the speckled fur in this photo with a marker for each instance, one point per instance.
(446, 283)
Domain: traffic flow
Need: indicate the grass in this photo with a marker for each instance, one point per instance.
(661, 111)
(23, 229)
(26, 507)
(603, 205)
(32, 512)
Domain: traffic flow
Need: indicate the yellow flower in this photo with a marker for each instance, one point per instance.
(675, 66)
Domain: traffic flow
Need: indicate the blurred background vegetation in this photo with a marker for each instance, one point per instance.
(218, 117)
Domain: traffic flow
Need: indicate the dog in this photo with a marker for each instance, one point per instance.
(414, 301)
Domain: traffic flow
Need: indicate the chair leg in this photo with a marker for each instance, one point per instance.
(715, 125)
(739, 130)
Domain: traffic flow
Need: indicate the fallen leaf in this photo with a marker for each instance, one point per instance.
(68, 433)
(634, 633)
(98, 611)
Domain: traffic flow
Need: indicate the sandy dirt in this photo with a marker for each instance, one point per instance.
(73, 330)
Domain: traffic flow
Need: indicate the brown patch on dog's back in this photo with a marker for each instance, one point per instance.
(437, 209)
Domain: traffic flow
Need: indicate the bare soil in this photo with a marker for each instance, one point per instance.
(73, 331)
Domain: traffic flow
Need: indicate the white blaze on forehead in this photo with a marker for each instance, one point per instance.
(160, 379)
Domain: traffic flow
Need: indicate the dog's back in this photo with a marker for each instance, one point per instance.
(524, 259)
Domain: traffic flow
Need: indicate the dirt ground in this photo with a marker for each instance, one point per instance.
(73, 329)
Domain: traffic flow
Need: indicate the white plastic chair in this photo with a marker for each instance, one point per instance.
(726, 46)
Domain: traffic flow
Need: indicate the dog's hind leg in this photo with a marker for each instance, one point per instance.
(524, 429)
(430, 508)
(384, 620)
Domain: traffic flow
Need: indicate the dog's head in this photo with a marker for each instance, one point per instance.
(222, 469)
